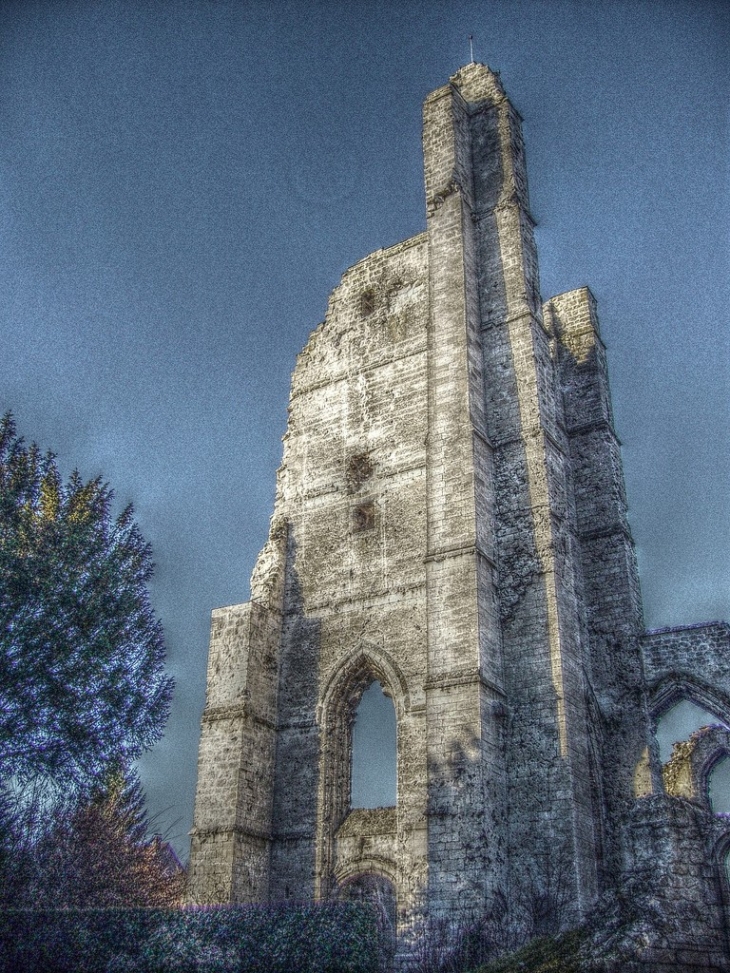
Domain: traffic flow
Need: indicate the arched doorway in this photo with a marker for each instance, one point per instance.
(378, 891)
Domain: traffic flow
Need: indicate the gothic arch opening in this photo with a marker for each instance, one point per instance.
(373, 677)
(679, 722)
(685, 709)
(374, 763)
(699, 766)
(359, 725)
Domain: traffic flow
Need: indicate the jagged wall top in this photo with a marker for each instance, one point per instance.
(475, 82)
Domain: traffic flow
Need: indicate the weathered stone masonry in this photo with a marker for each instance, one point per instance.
(450, 520)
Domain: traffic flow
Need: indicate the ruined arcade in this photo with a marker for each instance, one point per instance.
(450, 521)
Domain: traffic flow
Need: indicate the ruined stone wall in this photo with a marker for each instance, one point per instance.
(688, 662)
(450, 520)
(674, 882)
(352, 488)
(618, 725)
(229, 860)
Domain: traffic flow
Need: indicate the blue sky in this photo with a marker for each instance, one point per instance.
(183, 182)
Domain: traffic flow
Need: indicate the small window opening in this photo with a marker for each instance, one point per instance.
(374, 751)
(718, 785)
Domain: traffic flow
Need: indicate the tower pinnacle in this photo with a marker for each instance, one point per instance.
(477, 82)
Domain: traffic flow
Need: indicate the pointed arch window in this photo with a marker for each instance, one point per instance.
(374, 751)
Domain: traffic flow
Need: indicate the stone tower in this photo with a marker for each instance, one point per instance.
(450, 521)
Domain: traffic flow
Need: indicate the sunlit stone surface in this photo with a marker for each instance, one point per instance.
(450, 523)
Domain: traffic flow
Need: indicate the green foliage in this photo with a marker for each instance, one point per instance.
(549, 954)
(81, 653)
(327, 938)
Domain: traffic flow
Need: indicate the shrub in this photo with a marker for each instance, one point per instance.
(320, 938)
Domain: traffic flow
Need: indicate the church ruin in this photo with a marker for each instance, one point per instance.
(450, 522)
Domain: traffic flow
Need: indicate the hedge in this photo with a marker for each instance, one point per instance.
(309, 938)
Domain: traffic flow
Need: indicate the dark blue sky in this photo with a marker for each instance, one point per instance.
(183, 182)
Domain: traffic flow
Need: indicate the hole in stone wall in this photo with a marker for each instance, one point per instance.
(359, 469)
(363, 516)
(679, 723)
(367, 302)
(374, 751)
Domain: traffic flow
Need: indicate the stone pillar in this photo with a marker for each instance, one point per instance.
(539, 579)
(229, 855)
(464, 680)
(610, 575)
